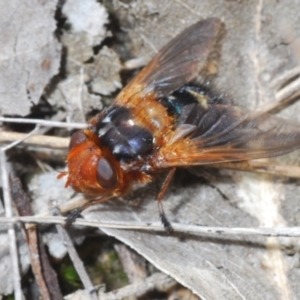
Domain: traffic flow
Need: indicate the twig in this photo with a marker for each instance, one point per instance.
(289, 90)
(44, 123)
(157, 227)
(23, 207)
(279, 105)
(35, 140)
(16, 142)
(80, 90)
(191, 10)
(63, 143)
(35, 258)
(45, 276)
(285, 77)
(287, 94)
(133, 264)
(77, 262)
(155, 281)
(148, 42)
(261, 167)
(134, 63)
(11, 231)
(59, 116)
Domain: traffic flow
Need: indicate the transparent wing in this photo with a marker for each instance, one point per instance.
(224, 133)
(177, 63)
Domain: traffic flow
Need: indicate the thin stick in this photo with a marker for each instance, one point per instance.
(190, 9)
(63, 143)
(45, 277)
(276, 106)
(11, 231)
(77, 262)
(289, 90)
(285, 77)
(261, 167)
(35, 140)
(15, 143)
(286, 95)
(35, 258)
(155, 281)
(58, 117)
(134, 63)
(148, 42)
(44, 123)
(157, 227)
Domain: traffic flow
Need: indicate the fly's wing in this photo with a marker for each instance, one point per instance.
(223, 133)
(177, 63)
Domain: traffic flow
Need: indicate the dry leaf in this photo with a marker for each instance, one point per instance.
(89, 18)
(30, 53)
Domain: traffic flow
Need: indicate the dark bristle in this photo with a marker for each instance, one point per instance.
(166, 223)
(73, 215)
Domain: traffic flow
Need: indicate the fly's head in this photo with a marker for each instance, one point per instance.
(91, 168)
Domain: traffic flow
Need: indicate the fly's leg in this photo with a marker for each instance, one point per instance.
(162, 215)
(75, 213)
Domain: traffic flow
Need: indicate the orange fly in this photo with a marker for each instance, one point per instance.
(162, 120)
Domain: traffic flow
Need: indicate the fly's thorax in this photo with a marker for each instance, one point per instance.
(131, 133)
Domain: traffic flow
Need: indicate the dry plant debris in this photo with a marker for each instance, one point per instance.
(259, 69)
(30, 53)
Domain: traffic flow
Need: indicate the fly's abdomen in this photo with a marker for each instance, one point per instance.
(187, 95)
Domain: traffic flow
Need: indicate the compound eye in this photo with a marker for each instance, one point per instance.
(77, 138)
(106, 174)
